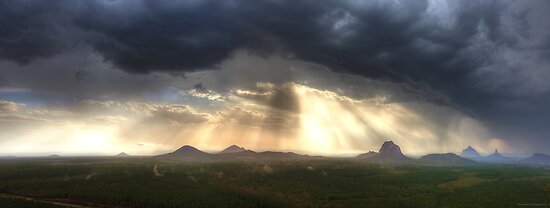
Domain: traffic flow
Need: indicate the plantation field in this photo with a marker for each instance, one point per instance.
(143, 182)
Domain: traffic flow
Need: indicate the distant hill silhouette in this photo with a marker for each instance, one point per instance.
(470, 153)
(185, 152)
(122, 154)
(7, 157)
(367, 155)
(495, 158)
(388, 152)
(271, 154)
(537, 159)
(232, 149)
(446, 158)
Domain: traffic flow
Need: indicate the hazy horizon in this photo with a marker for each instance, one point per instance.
(212, 151)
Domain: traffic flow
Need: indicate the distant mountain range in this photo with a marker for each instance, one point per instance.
(392, 152)
(496, 157)
(388, 152)
(232, 152)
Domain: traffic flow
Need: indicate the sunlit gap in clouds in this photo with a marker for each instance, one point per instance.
(279, 117)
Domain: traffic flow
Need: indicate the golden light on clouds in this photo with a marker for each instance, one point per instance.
(286, 117)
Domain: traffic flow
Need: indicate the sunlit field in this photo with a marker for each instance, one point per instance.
(144, 182)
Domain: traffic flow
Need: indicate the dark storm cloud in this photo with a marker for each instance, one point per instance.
(31, 29)
(488, 57)
(150, 35)
(370, 38)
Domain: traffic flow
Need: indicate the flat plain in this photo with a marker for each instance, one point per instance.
(147, 182)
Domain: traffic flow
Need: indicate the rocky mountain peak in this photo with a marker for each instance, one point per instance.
(391, 151)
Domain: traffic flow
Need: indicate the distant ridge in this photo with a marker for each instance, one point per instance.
(446, 158)
(271, 154)
(537, 159)
(232, 149)
(470, 153)
(239, 155)
(367, 155)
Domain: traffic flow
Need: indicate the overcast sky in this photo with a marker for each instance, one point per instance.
(320, 77)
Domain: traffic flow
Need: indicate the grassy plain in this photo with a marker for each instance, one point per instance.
(145, 182)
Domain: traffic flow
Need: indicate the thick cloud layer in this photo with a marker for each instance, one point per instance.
(375, 38)
(488, 58)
